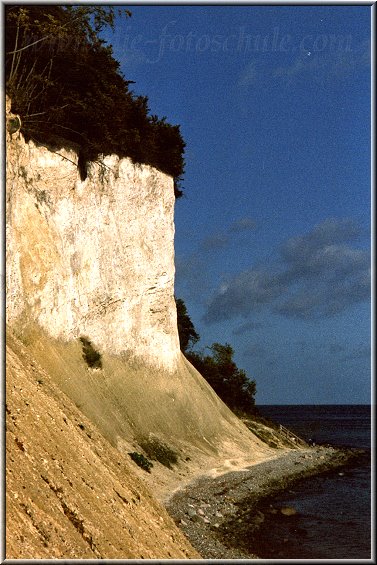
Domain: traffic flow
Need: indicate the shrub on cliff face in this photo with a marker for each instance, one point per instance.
(159, 451)
(69, 91)
(90, 355)
(141, 461)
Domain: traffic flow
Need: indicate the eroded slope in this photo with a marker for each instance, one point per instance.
(69, 492)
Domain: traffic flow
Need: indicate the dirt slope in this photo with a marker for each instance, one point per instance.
(133, 405)
(69, 493)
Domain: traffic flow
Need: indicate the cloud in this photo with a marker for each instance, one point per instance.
(331, 274)
(318, 274)
(299, 65)
(258, 352)
(192, 270)
(328, 232)
(243, 224)
(191, 277)
(255, 350)
(324, 261)
(361, 351)
(244, 294)
(345, 353)
(318, 299)
(321, 59)
(221, 240)
(247, 327)
(335, 348)
(338, 62)
(215, 242)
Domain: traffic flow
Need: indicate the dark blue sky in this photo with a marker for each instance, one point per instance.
(273, 233)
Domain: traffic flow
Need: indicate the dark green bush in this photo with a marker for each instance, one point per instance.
(141, 460)
(228, 381)
(90, 355)
(159, 451)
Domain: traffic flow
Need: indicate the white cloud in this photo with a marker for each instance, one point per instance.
(318, 275)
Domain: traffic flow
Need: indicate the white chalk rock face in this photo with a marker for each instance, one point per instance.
(92, 258)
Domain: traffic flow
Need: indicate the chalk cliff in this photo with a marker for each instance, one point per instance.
(95, 257)
(94, 260)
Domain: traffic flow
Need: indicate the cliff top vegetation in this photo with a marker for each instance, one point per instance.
(69, 92)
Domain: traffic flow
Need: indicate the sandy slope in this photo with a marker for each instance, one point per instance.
(72, 490)
(131, 404)
(69, 493)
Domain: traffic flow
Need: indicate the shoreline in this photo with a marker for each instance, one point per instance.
(209, 510)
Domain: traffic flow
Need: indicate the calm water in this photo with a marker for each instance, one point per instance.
(333, 519)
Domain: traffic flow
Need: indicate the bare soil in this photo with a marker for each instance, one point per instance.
(69, 493)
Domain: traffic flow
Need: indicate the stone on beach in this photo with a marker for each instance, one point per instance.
(224, 538)
(196, 518)
(258, 518)
(288, 511)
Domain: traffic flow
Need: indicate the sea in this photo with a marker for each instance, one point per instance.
(334, 510)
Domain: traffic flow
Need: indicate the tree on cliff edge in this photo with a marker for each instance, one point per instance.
(69, 91)
(186, 330)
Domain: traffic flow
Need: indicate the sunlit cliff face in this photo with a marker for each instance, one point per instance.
(93, 258)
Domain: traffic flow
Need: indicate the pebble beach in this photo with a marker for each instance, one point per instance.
(212, 511)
